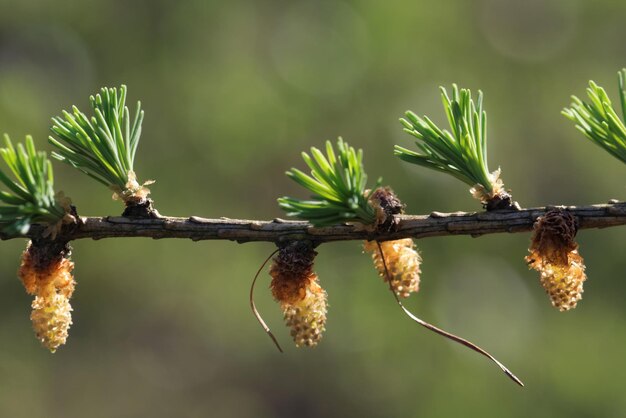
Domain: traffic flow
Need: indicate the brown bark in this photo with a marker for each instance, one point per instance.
(415, 226)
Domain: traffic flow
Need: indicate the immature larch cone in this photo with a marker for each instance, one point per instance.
(51, 318)
(403, 264)
(400, 256)
(295, 286)
(48, 275)
(307, 316)
(554, 254)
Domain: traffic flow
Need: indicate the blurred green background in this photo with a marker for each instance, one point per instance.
(233, 92)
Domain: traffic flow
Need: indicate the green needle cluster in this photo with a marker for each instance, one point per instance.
(104, 145)
(461, 153)
(338, 183)
(598, 121)
(30, 197)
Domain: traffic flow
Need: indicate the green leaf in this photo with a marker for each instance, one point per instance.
(598, 120)
(30, 196)
(460, 152)
(102, 146)
(338, 183)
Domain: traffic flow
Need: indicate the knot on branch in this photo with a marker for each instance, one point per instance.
(386, 204)
(143, 209)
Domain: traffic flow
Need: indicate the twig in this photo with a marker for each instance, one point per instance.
(416, 226)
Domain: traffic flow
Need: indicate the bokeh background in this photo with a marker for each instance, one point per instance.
(233, 92)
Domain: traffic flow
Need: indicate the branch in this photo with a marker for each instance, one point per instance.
(415, 226)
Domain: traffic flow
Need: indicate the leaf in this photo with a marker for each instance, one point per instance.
(338, 183)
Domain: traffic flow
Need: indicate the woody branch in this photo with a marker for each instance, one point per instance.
(277, 230)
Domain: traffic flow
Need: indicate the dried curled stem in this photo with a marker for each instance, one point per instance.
(444, 333)
(255, 311)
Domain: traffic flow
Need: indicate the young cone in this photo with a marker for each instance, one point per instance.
(51, 318)
(295, 286)
(554, 254)
(46, 272)
(403, 261)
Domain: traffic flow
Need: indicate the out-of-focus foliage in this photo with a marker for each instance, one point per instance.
(597, 119)
(29, 195)
(233, 91)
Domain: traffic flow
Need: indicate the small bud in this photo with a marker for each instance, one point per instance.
(479, 192)
(402, 261)
(554, 254)
(496, 199)
(386, 204)
(133, 193)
